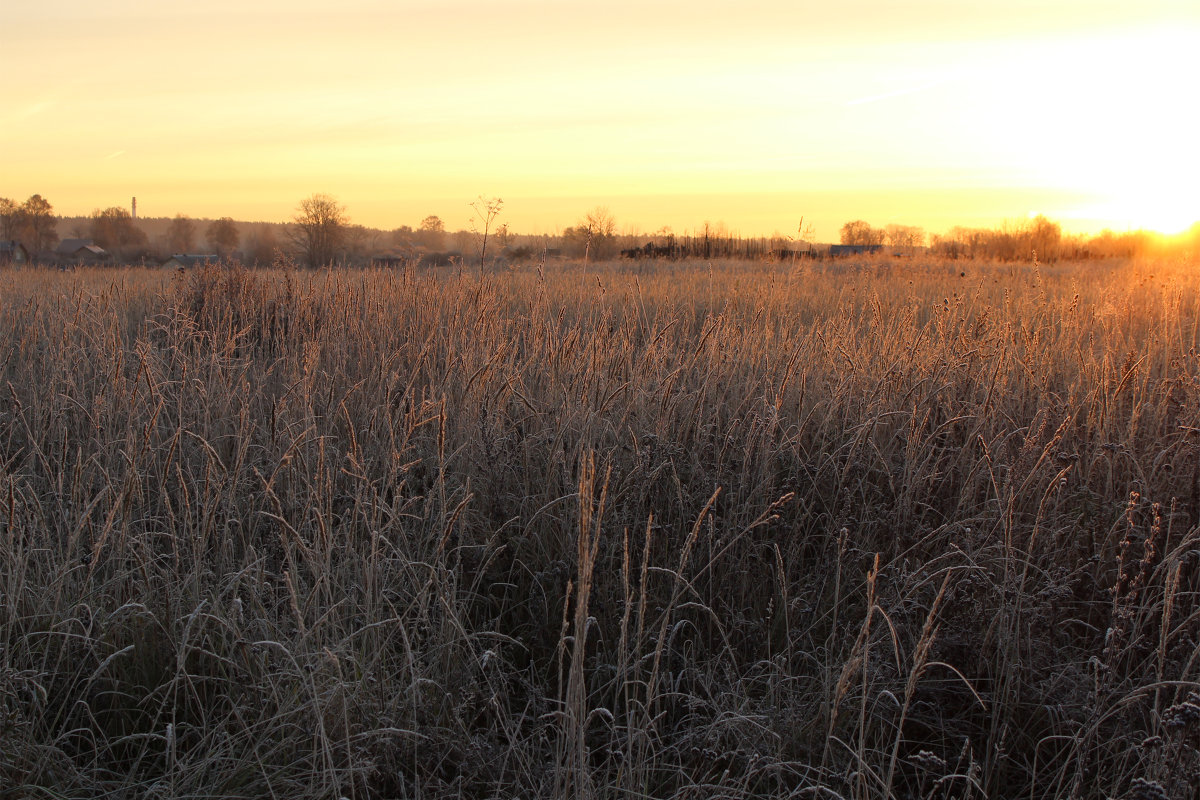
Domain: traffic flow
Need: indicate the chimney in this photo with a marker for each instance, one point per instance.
(135, 208)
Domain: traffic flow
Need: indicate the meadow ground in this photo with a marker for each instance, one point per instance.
(910, 529)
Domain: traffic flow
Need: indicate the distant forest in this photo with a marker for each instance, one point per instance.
(331, 237)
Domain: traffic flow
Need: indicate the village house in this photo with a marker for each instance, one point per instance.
(80, 252)
(189, 260)
(13, 252)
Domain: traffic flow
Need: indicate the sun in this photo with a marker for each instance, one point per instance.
(1106, 118)
(1159, 210)
(1150, 184)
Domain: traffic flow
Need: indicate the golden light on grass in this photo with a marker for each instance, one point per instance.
(776, 527)
(673, 530)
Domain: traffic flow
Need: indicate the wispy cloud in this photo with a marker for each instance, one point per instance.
(33, 110)
(117, 154)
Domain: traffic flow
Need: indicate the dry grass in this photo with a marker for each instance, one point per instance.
(858, 530)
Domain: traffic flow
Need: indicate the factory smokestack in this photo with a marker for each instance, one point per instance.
(134, 208)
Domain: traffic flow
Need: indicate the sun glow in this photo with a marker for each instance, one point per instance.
(929, 114)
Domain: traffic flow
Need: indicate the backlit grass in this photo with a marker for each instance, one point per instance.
(854, 529)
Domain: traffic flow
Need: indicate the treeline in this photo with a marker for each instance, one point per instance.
(595, 237)
(32, 223)
(1019, 241)
(1016, 241)
(321, 233)
(155, 239)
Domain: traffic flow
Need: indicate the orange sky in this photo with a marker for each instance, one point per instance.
(932, 112)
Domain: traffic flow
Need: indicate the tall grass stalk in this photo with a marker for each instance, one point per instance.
(880, 529)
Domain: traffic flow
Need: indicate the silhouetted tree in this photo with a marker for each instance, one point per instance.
(404, 236)
(10, 219)
(222, 235)
(432, 233)
(39, 224)
(861, 233)
(115, 231)
(318, 229)
(1044, 237)
(904, 235)
(181, 235)
(360, 242)
(1017, 241)
(595, 235)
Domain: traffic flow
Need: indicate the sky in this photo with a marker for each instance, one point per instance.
(755, 115)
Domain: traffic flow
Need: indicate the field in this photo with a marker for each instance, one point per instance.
(912, 529)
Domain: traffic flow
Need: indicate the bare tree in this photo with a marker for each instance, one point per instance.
(1044, 236)
(1022, 239)
(905, 235)
(114, 230)
(10, 219)
(181, 235)
(432, 233)
(861, 233)
(318, 229)
(40, 224)
(404, 236)
(361, 242)
(595, 234)
(222, 235)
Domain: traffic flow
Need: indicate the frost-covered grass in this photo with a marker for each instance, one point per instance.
(855, 529)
